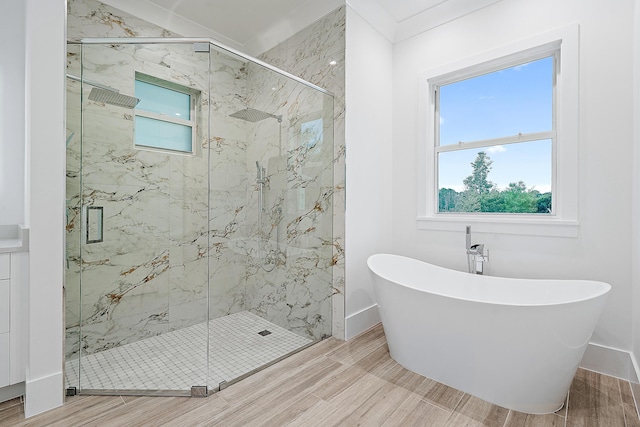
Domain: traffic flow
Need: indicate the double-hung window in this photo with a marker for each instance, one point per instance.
(495, 137)
(165, 117)
(499, 141)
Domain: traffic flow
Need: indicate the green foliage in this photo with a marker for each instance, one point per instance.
(482, 195)
(478, 181)
(447, 200)
(543, 202)
(493, 202)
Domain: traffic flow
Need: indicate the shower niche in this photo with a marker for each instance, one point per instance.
(212, 199)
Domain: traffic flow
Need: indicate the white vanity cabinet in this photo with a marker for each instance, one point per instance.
(14, 280)
(5, 303)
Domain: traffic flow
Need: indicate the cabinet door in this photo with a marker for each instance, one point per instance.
(5, 266)
(4, 306)
(4, 360)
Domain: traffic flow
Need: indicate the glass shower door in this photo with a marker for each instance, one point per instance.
(271, 195)
(143, 216)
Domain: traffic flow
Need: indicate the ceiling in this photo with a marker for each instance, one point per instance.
(238, 20)
(254, 26)
(401, 10)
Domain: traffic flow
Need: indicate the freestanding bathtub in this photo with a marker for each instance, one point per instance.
(516, 343)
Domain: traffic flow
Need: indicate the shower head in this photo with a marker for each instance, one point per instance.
(253, 115)
(113, 98)
(106, 94)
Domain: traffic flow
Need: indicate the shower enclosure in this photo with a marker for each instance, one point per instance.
(199, 216)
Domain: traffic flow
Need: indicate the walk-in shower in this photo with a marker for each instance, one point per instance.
(211, 256)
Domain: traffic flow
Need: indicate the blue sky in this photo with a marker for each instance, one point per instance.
(503, 103)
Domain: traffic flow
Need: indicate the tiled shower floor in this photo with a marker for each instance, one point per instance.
(178, 360)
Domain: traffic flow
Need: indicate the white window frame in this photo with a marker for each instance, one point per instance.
(564, 219)
(193, 115)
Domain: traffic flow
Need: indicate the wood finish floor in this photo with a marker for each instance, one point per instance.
(336, 383)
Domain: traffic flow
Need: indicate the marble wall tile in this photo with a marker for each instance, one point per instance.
(95, 19)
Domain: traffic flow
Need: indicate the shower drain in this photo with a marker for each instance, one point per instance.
(264, 333)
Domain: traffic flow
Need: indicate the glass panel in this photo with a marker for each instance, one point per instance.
(158, 134)
(143, 299)
(161, 100)
(271, 218)
(503, 103)
(73, 229)
(514, 178)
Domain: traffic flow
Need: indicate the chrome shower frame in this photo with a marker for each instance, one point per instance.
(198, 42)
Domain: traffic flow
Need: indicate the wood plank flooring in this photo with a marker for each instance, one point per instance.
(336, 383)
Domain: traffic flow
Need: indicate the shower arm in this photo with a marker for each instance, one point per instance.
(92, 83)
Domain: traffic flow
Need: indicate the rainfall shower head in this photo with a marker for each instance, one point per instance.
(107, 94)
(113, 98)
(253, 115)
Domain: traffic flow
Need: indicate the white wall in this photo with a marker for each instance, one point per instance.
(12, 113)
(368, 164)
(635, 260)
(603, 247)
(45, 42)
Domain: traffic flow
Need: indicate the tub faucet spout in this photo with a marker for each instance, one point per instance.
(477, 249)
(478, 258)
(475, 255)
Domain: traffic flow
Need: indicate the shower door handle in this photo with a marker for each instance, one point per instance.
(94, 222)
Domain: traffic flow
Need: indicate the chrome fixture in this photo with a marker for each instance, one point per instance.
(260, 174)
(253, 115)
(475, 255)
(261, 181)
(268, 260)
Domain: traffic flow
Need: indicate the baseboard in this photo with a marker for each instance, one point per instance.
(11, 392)
(609, 361)
(635, 385)
(635, 367)
(361, 321)
(43, 394)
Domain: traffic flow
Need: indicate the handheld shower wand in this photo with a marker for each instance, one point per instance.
(260, 173)
(261, 180)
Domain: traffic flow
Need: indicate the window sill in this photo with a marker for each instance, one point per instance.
(528, 226)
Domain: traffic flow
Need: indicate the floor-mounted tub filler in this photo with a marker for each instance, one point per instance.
(516, 343)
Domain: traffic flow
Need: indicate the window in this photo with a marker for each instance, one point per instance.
(494, 138)
(311, 134)
(499, 139)
(165, 117)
